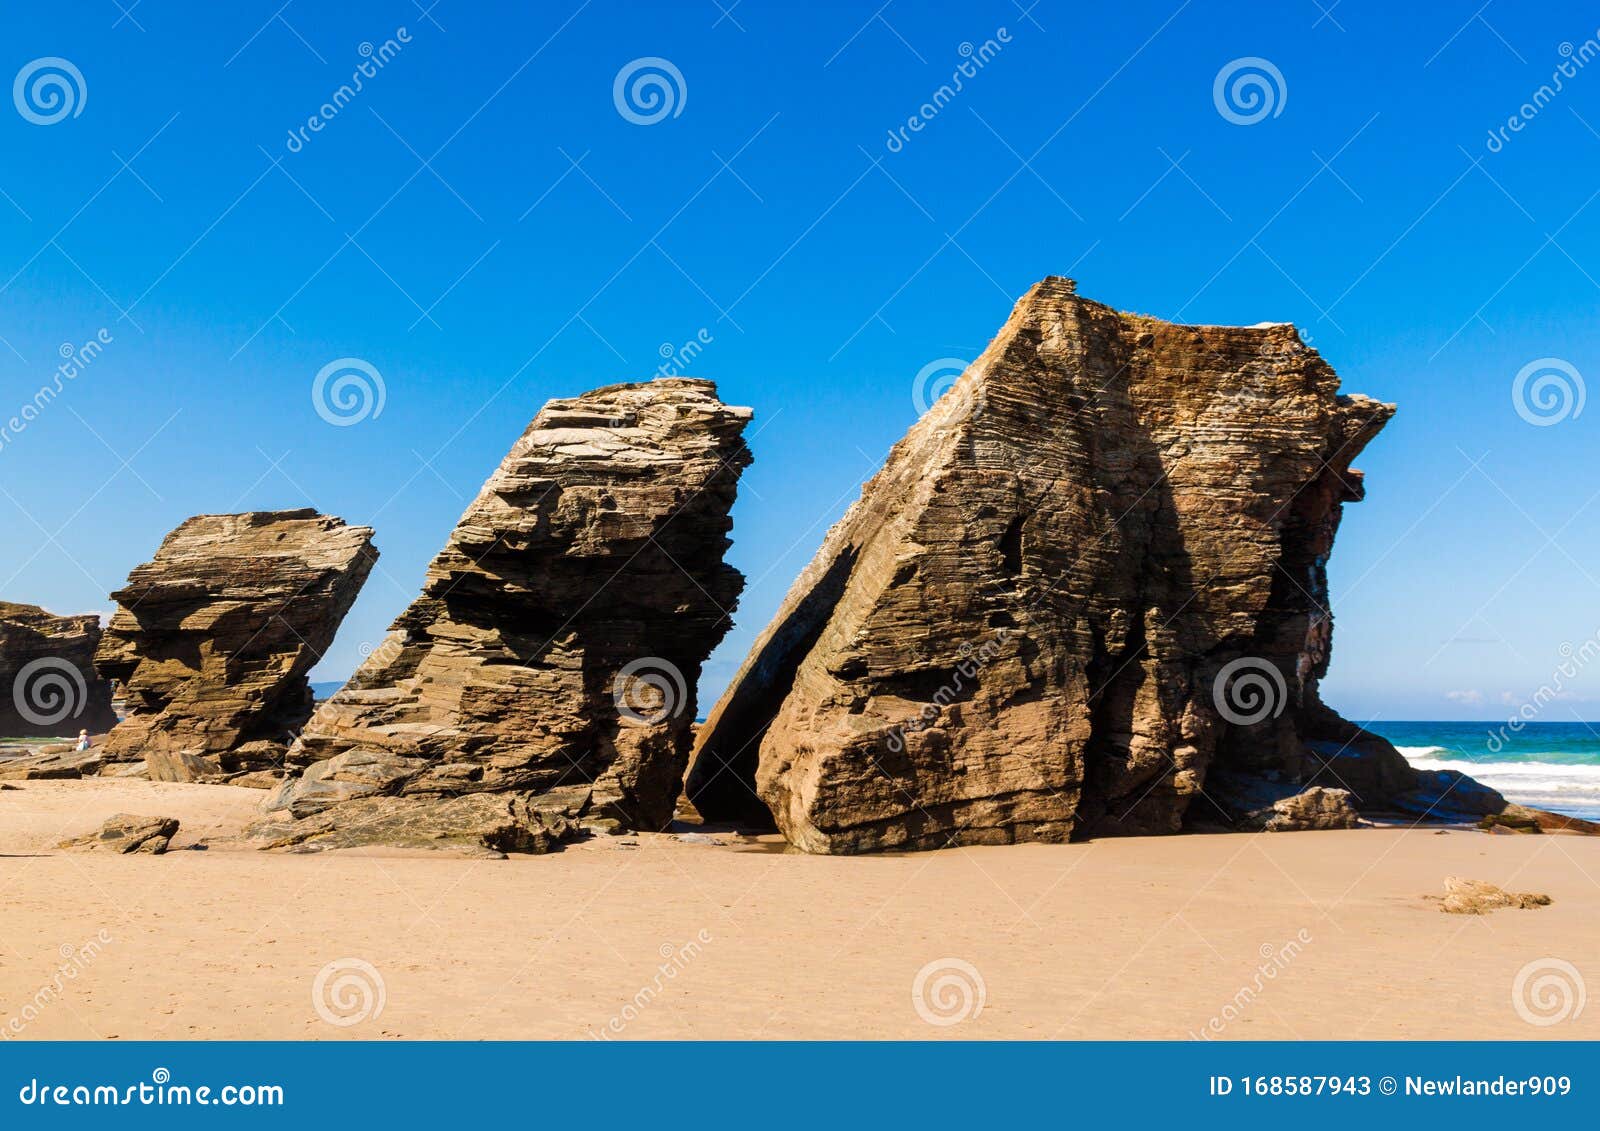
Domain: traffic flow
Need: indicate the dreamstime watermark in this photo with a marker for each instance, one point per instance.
(937, 390)
(49, 690)
(348, 991)
(49, 90)
(1573, 661)
(348, 391)
(648, 691)
(934, 380)
(675, 360)
(158, 1091)
(973, 60)
(74, 961)
(373, 60)
(972, 662)
(1248, 90)
(1274, 961)
(675, 959)
(74, 360)
(948, 991)
(1548, 991)
(1249, 690)
(649, 90)
(376, 660)
(1548, 391)
(1573, 60)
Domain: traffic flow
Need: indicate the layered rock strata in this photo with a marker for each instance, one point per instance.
(553, 654)
(213, 638)
(48, 684)
(1091, 577)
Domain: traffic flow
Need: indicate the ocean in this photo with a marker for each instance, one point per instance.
(1553, 766)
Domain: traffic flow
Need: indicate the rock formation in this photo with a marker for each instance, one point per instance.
(1479, 897)
(48, 685)
(554, 651)
(1258, 804)
(128, 833)
(1093, 574)
(213, 638)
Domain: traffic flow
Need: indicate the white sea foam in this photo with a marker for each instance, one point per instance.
(1563, 787)
(1412, 753)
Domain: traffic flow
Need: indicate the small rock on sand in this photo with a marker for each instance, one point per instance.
(1477, 897)
(128, 832)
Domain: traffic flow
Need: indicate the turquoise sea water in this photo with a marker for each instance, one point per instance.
(1553, 766)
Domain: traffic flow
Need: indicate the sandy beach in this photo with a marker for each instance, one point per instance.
(677, 937)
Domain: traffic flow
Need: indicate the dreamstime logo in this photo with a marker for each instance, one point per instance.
(973, 60)
(648, 90)
(1275, 959)
(74, 961)
(972, 662)
(1547, 391)
(373, 60)
(375, 661)
(938, 383)
(649, 691)
(48, 690)
(1548, 991)
(48, 90)
(1249, 690)
(347, 391)
(675, 360)
(1573, 661)
(1573, 60)
(675, 959)
(348, 991)
(74, 361)
(948, 991)
(1247, 90)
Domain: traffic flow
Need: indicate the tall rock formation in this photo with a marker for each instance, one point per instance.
(213, 638)
(1086, 588)
(48, 685)
(554, 651)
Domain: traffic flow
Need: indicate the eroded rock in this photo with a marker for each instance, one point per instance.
(213, 638)
(1478, 897)
(554, 651)
(47, 765)
(48, 683)
(1092, 574)
(1256, 804)
(128, 832)
(473, 823)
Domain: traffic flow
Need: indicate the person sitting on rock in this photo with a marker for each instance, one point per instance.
(83, 740)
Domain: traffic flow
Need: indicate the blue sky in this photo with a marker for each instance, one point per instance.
(484, 228)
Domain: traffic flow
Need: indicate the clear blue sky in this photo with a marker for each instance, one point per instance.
(826, 269)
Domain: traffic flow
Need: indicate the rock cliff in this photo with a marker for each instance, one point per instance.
(48, 685)
(554, 651)
(213, 638)
(1090, 581)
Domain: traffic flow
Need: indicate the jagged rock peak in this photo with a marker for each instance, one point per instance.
(1038, 620)
(214, 636)
(554, 650)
